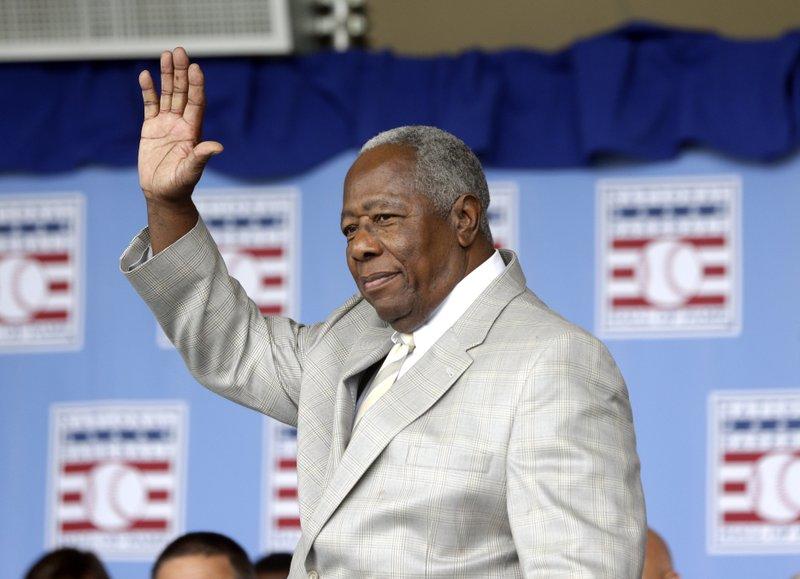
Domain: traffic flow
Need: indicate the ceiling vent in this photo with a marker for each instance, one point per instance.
(91, 29)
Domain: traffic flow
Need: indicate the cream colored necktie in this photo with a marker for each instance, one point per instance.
(387, 374)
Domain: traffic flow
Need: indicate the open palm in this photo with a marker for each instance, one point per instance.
(171, 156)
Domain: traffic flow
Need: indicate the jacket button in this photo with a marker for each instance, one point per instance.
(313, 575)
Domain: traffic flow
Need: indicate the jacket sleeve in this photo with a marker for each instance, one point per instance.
(574, 494)
(226, 343)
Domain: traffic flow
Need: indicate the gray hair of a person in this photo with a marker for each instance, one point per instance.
(446, 167)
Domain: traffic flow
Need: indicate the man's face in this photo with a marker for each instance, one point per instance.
(403, 256)
(196, 567)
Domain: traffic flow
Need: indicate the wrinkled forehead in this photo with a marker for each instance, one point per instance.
(383, 175)
(388, 157)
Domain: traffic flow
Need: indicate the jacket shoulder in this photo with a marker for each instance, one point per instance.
(527, 320)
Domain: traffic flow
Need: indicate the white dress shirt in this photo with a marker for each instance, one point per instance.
(453, 307)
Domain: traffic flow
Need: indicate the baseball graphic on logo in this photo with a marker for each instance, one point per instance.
(672, 272)
(23, 288)
(668, 257)
(117, 496)
(778, 494)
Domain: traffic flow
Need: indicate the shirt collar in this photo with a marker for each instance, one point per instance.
(457, 302)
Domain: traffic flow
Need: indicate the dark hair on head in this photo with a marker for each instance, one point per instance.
(67, 563)
(208, 544)
(274, 562)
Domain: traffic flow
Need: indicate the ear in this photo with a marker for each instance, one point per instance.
(465, 215)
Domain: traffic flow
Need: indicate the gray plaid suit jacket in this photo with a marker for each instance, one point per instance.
(507, 450)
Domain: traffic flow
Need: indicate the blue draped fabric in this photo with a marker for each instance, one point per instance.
(641, 92)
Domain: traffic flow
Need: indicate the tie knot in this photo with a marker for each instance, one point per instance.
(408, 340)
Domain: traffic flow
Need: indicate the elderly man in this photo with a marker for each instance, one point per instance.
(449, 423)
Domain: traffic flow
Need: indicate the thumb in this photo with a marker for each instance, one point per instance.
(207, 149)
(196, 160)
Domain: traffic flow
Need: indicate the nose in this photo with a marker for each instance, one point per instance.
(364, 245)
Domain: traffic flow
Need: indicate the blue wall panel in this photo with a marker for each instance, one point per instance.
(669, 379)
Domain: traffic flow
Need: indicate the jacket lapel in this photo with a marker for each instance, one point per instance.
(372, 346)
(410, 397)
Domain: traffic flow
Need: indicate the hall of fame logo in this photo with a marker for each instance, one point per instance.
(754, 472)
(281, 511)
(504, 214)
(257, 233)
(668, 260)
(41, 271)
(116, 477)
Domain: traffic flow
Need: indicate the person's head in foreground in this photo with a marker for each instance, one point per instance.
(203, 555)
(657, 560)
(415, 218)
(67, 563)
(274, 566)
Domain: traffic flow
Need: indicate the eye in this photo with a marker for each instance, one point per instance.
(349, 230)
(382, 217)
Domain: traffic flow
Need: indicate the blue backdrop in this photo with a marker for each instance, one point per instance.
(669, 379)
(640, 92)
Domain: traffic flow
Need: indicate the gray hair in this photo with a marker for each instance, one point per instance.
(445, 169)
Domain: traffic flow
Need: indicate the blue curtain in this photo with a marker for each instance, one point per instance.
(641, 92)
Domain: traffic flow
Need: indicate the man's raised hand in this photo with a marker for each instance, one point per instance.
(171, 156)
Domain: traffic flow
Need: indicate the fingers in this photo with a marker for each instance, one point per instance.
(167, 72)
(148, 95)
(196, 102)
(180, 62)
